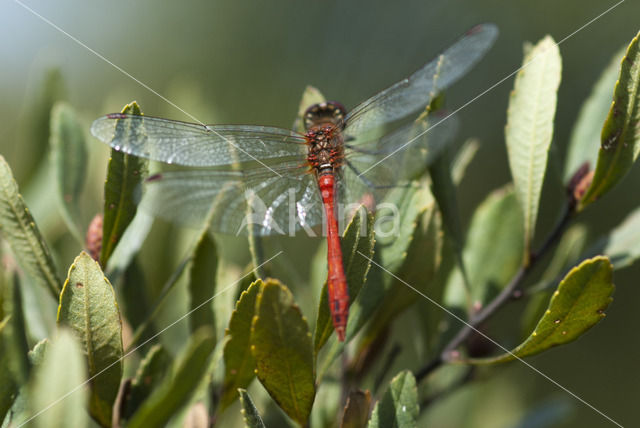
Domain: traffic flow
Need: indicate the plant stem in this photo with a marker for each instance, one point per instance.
(505, 295)
(344, 379)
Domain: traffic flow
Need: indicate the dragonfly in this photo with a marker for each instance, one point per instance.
(267, 180)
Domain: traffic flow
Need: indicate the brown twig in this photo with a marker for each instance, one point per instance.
(505, 295)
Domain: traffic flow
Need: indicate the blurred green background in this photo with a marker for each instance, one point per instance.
(248, 62)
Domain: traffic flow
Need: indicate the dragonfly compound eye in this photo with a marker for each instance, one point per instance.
(324, 114)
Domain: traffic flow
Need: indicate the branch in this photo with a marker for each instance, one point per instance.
(508, 292)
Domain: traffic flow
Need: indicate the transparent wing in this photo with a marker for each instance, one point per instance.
(417, 91)
(376, 166)
(190, 144)
(239, 200)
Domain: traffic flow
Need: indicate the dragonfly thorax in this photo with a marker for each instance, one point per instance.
(325, 147)
(324, 122)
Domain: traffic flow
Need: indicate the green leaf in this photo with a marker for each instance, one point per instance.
(356, 411)
(171, 282)
(489, 266)
(356, 268)
(202, 284)
(622, 245)
(577, 305)
(22, 234)
(58, 385)
(395, 229)
(179, 385)
(399, 405)
(250, 414)
(569, 249)
(585, 137)
(31, 150)
(446, 174)
(433, 319)
(152, 370)
(15, 392)
(41, 197)
(134, 298)
(69, 156)
(8, 384)
(281, 346)
(239, 364)
(310, 96)
(37, 354)
(14, 334)
(88, 306)
(14, 361)
(620, 138)
(444, 191)
(420, 266)
(463, 158)
(166, 289)
(529, 130)
(124, 175)
(129, 245)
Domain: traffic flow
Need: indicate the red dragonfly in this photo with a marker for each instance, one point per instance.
(274, 181)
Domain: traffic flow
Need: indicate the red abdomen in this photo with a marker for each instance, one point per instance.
(336, 282)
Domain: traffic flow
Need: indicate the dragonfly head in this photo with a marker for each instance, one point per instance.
(327, 113)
